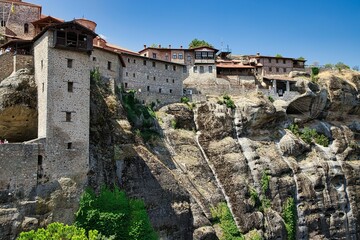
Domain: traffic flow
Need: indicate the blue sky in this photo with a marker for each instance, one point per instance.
(323, 31)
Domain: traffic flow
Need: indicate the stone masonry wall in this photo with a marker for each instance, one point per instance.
(22, 14)
(6, 65)
(18, 168)
(151, 82)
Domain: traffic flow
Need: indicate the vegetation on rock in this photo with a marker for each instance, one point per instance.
(222, 216)
(55, 231)
(226, 99)
(289, 215)
(308, 135)
(112, 213)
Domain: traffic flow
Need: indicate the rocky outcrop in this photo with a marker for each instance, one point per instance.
(18, 101)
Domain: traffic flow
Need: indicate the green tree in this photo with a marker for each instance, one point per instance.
(55, 231)
(301, 58)
(356, 68)
(329, 66)
(341, 66)
(113, 214)
(278, 55)
(199, 43)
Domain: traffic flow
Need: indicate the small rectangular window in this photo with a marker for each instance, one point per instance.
(133, 74)
(167, 80)
(173, 80)
(109, 65)
(148, 77)
(68, 117)
(201, 69)
(210, 69)
(154, 55)
(154, 78)
(94, 59)
(189, 57)
(180, 56)
(159, 90)
(134, 61)
(174, 56)
(42, 87)
(144, 62)
(126, 74)
(170, 90)
(128, 60)
(70, 86)
(184, 69)
(284, 61)
(69, 63)
(270, 69)
(148, 88)
(126, 85)
(69, 145)
(195, 69)
(166, 66)
(154, 64)
(174, 68)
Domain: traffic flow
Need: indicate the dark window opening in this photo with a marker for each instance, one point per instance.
(174, 68)
(159, 90)
(133, 74)
(148, 88)
(180, 56)
(277, 69)
(204, 55)
(126, 74)
(154, 55)
(174, 56)
(166, 66)
(40, 171)
(270, 69)
(154, 64)
(201, 69)
(70, 86)
(144, 62)
(134, 61)
(26, 28)
(68, 117)
(69, 145)
(154, 78)
(284, 61)
(3, 23)
(69, 63)
(43, 87)
(128, 60)
(167, 80)
(195, 69)
(184, 69)
(170, 90)
(40, 160)
(173, 80)
(148, 77)
(277, 60)
(126, 85)
(109, 66)
(94, 59)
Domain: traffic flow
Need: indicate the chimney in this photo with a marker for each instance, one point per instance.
(159, 46)
(257, 54)
(144, 45)
(169, 46)
(180, 47)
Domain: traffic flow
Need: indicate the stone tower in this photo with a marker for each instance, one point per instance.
(62, 74)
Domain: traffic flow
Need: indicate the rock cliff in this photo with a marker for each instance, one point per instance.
(251, 157)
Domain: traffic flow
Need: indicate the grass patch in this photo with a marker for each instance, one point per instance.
(221, 215)
(289, 215)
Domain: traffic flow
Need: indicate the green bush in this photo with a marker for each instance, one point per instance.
(265, 182)
(226, 99)
(185, 100)
(113, 214)
(173, 123)
(322, 140)
(294, 128)
(307, 135)
(289, 215)
(55, 231)
(271, 99)
(222, 215)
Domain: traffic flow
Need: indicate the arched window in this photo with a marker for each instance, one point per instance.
(26, 28)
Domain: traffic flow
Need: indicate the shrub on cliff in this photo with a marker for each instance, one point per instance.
(112, 213)
(222, 216)
(57, 231)
(289, 215)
